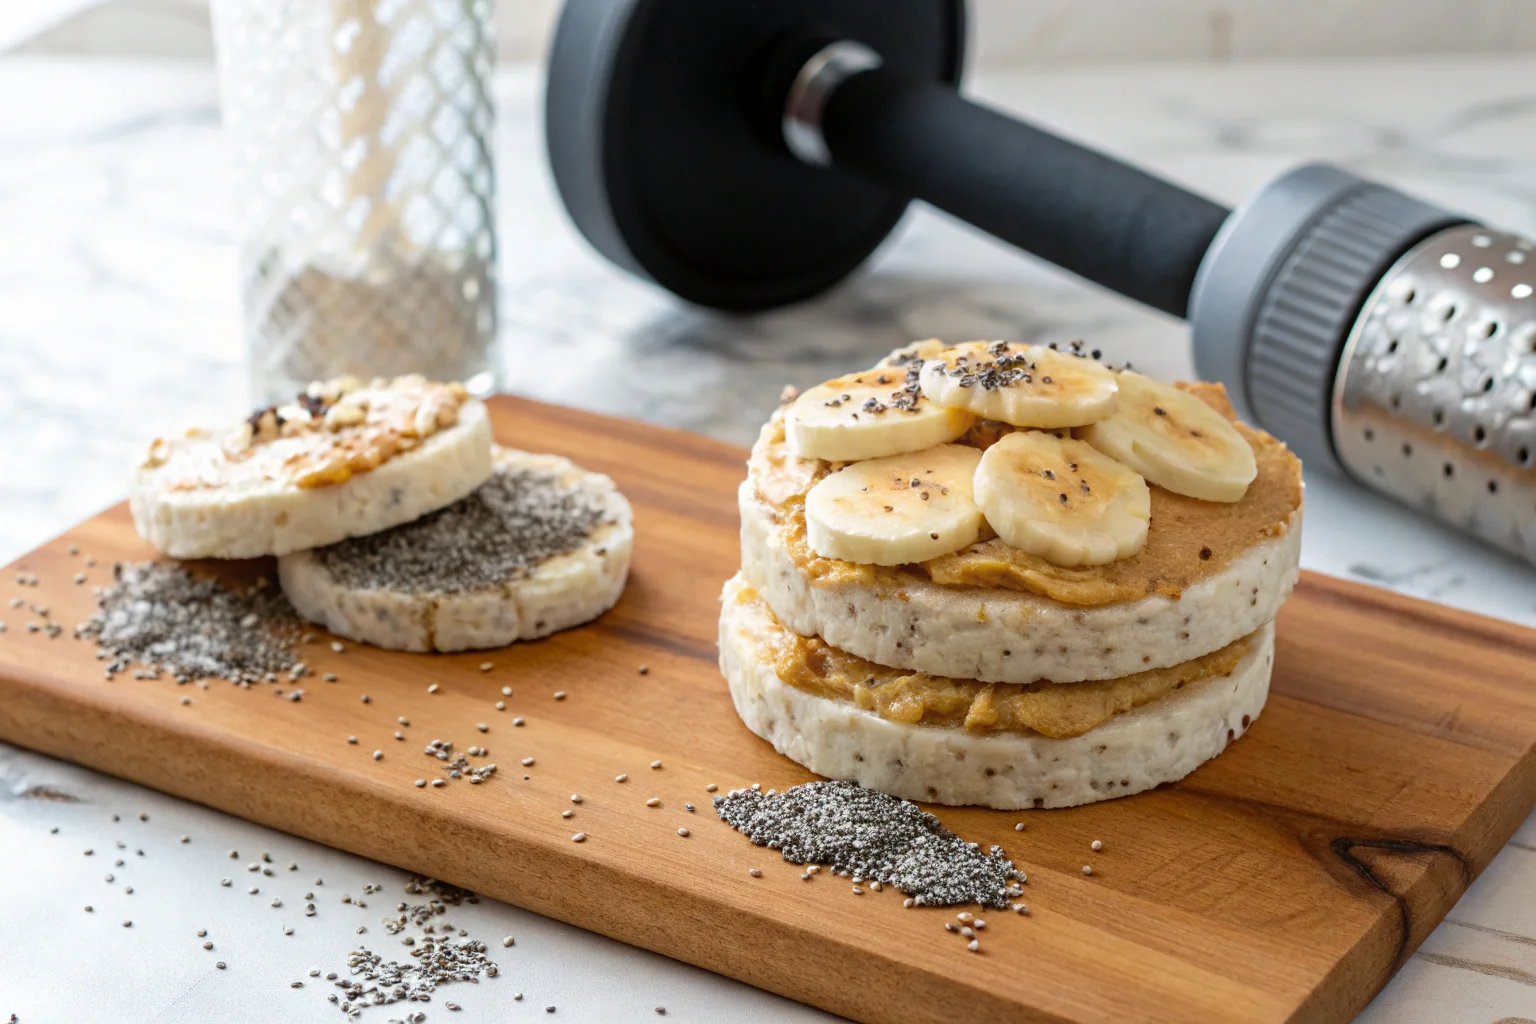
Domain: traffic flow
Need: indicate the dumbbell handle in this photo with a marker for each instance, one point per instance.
(1083, 211)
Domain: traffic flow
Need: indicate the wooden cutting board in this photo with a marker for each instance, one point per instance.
(1286, 880)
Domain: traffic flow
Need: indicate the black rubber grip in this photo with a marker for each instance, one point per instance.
(1083, 211)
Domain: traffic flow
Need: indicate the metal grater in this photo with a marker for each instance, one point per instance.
(1435, 399)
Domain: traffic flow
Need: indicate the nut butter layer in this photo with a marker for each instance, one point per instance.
(344, 459)
(1057, 710)
(1209, 574)
(1161, 740)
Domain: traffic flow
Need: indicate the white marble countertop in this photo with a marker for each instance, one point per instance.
(118, 319)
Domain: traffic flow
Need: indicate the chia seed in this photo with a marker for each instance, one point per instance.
(861, 832)
(516, 521)
(192, 627)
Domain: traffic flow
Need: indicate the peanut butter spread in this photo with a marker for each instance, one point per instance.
(1189, 540)
(1056, 710)
(332, 432)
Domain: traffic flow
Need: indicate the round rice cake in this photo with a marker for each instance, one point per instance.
(344, 459)
(1209, 574)
(541, 546)
(1161, 740)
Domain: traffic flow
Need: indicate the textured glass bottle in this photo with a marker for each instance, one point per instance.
(359, 135)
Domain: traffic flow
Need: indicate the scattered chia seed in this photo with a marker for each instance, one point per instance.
(859, 831)
(191, 627)
(516, 521)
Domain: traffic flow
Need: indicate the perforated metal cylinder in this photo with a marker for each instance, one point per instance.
(1282, 287)
(1434, 402)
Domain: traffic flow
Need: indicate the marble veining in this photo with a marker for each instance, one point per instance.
(119, 319)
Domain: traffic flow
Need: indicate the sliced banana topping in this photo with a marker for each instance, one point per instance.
(1025, 385)
(869, 415)
(916, 352)
(1174, 440)
(1062, 500)
(896, 510)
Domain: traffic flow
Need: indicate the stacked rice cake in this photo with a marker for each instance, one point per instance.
(1006, 575)
(396, 520)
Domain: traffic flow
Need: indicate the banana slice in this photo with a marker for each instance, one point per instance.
(917, 351)
(891, 511)
(1025, 385)
(1062, 500)
(869, 415)
(1174, 440)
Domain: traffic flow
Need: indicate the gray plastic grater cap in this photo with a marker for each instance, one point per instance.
(1280, 289)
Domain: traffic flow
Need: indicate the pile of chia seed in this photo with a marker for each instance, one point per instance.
(441, 955)
(379, 982)
(514, 522)
(857, 831)
(193, 627)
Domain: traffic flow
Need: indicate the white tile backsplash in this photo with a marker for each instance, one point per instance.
(1002, 31)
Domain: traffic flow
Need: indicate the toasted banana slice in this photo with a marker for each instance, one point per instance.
(867, 416)
(916, 352)
(1025, 385)
(891, 511)
(1174, 440)
(1062, 500)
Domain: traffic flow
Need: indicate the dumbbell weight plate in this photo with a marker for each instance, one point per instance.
(662, 121)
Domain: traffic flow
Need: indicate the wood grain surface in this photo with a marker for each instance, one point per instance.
(1285, 880)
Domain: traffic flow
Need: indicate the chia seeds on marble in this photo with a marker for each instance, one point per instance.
(517, 520)
(439, 958)
(191, 627)
(862, 832)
